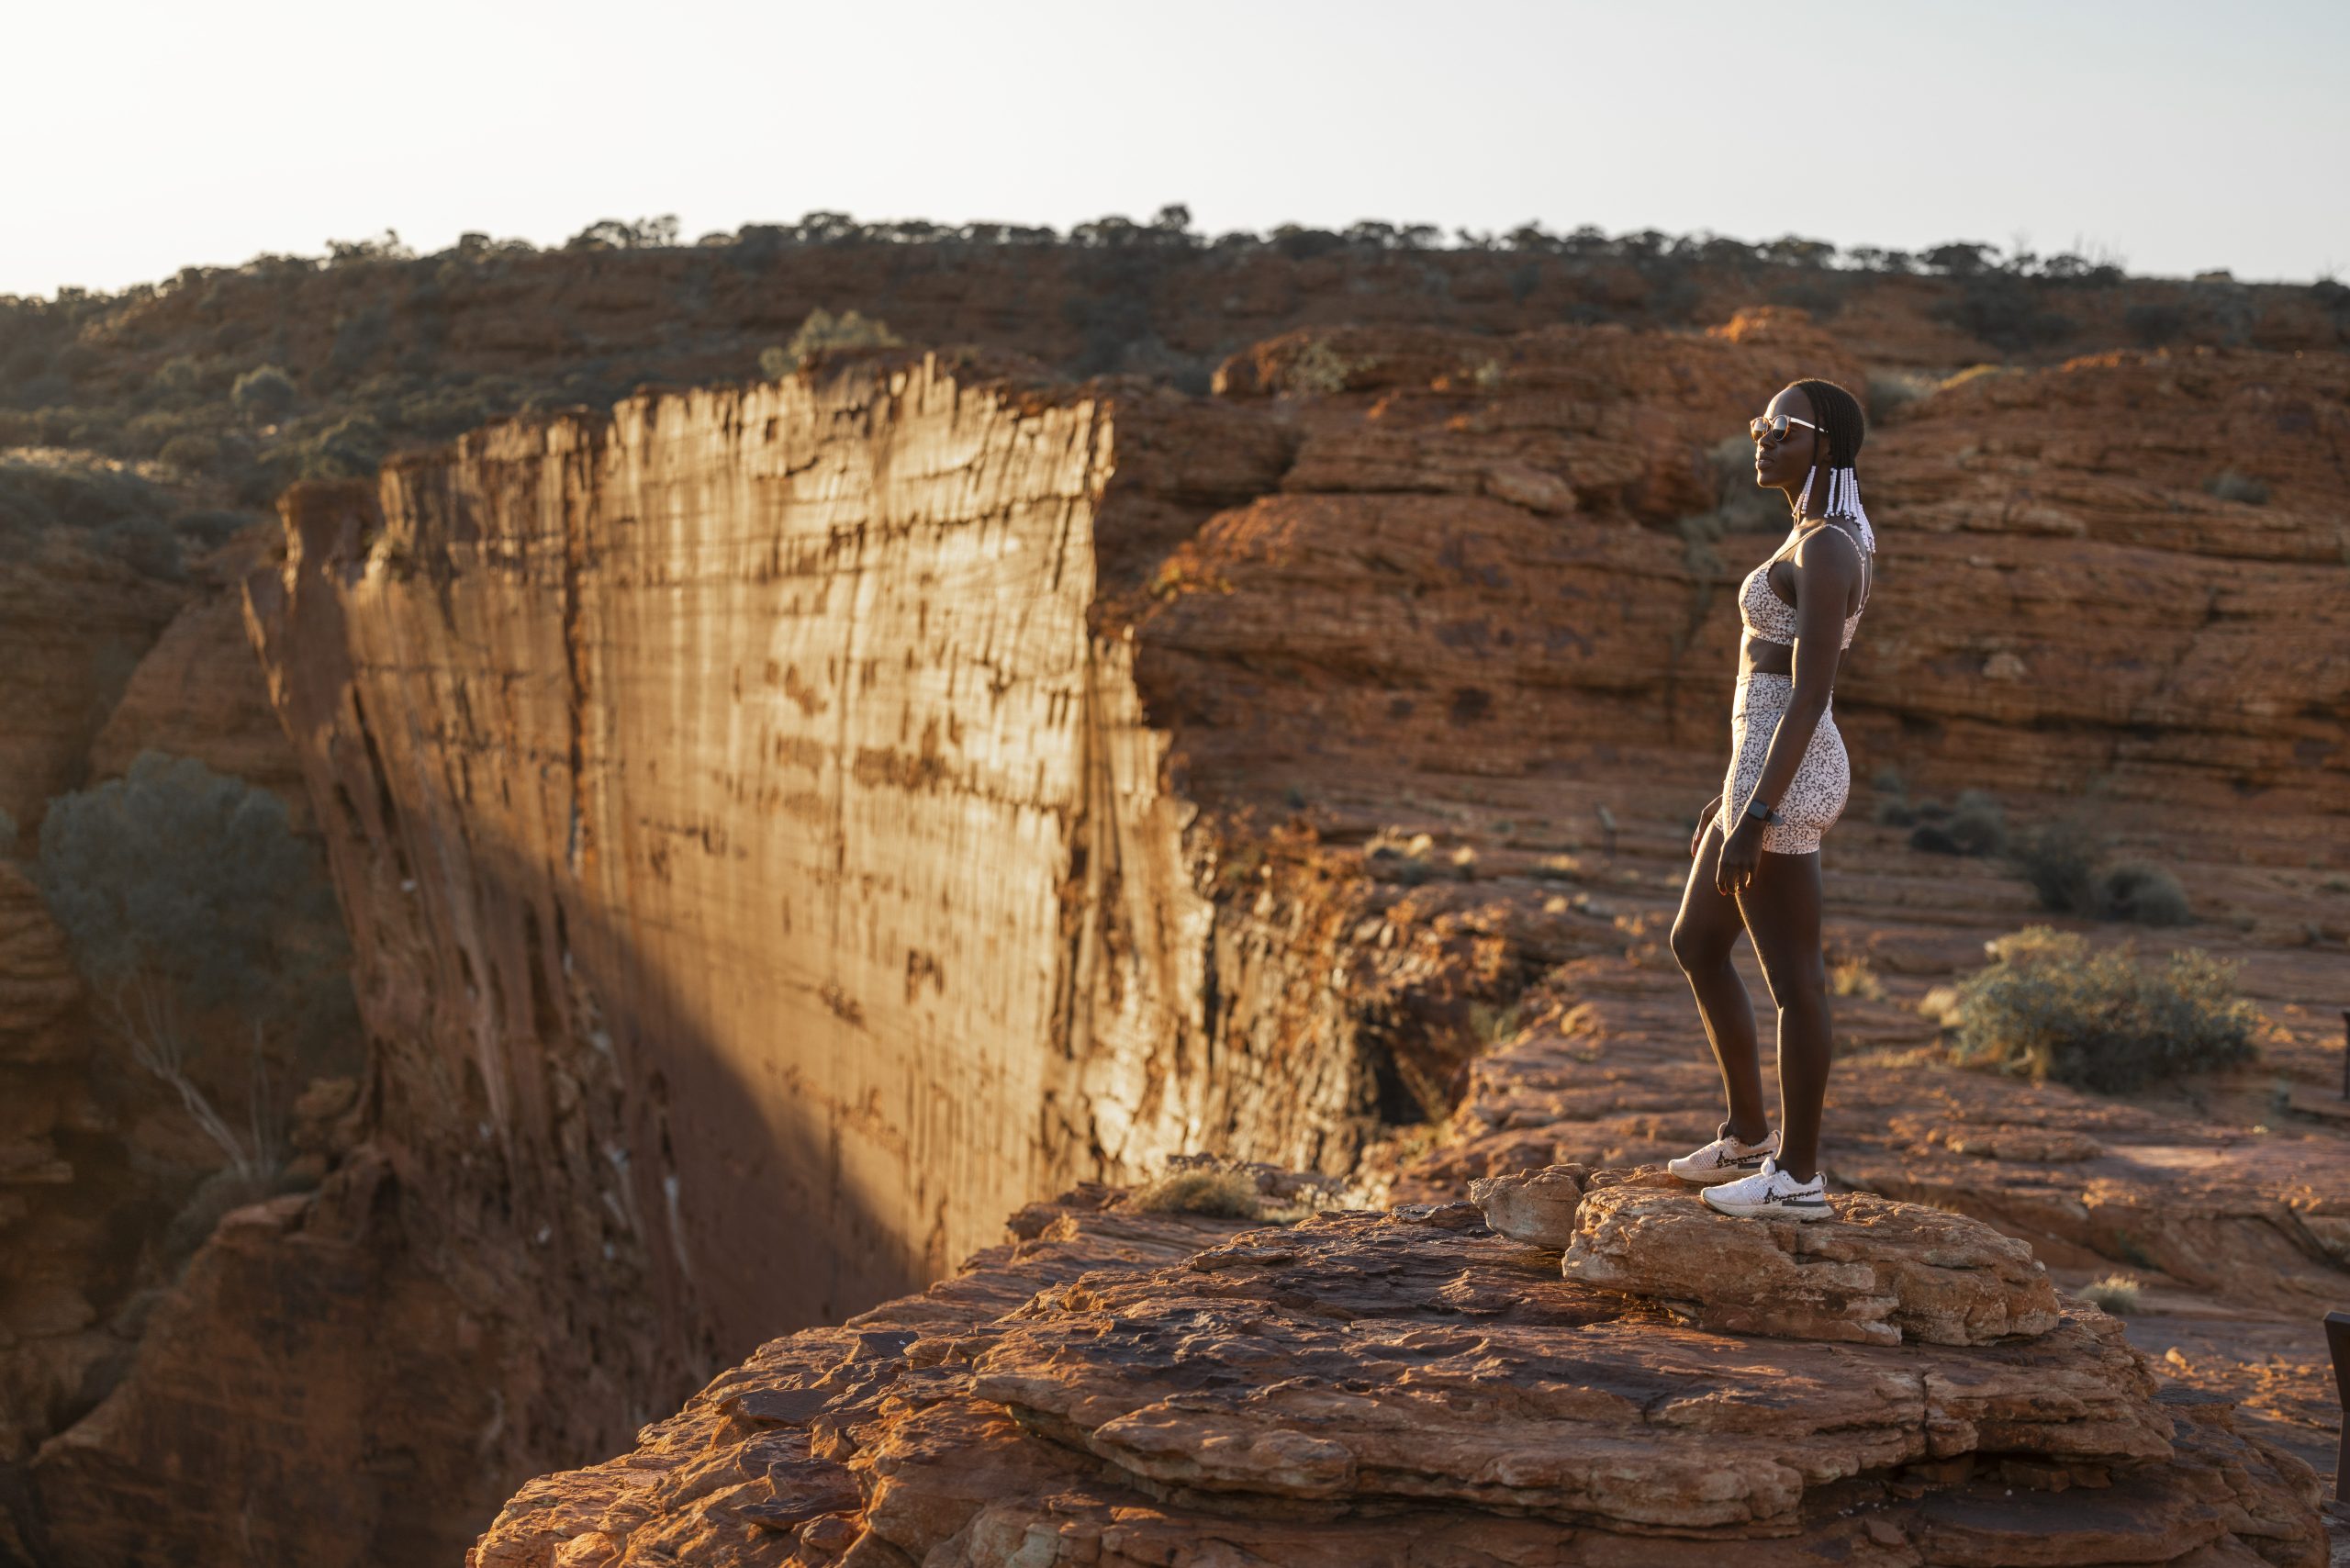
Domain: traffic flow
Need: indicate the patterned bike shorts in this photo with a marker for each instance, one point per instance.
(1815, 799)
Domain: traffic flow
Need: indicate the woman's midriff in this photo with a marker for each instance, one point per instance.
(1758, 655)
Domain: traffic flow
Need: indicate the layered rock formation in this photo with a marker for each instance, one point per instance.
(75, 625)
(105, 1183)
(1885, 1273)
(1399, 1388)
(785, 828)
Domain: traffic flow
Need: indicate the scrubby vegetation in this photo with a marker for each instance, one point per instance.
(194, 911)
(1974, 824)
(1213, 1184)
(821, 330)
(250, 376)
(120, 509)
(1854, 977)
(2117, 1293)
(2230, 485)
(1892, 390)
(2051, 1006)
(1231, 1193)
(2065, 864)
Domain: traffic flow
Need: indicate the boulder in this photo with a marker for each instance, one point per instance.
(1879, 1272)
(1533, 1205)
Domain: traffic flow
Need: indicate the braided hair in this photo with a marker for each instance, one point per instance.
(1845, 427)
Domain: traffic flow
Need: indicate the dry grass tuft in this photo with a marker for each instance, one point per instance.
(1200, 1191)
(1854, 977)
(2117, 1293)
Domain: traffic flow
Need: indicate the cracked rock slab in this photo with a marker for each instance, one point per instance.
(1375, 1360)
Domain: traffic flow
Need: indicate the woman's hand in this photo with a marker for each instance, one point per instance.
(1705, 821)
(1741, 857)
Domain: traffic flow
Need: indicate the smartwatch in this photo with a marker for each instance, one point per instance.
(1760, 812)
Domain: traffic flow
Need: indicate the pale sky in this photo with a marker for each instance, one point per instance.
(145, 136)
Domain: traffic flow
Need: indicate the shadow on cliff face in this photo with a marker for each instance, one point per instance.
(548, 1238)
(483, 1291)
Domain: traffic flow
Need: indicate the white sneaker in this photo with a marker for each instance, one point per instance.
(1770, 1193)
(1724, 1160)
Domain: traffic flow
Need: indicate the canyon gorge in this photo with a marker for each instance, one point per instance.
(813, 846)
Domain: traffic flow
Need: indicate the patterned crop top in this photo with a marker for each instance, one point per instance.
(1770, 619)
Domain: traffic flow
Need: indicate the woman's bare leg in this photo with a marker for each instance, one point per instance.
(1703, 935)
(1781, 908)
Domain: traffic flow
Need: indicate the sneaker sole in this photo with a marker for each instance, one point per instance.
(1767, 1211)
(1716, 1178)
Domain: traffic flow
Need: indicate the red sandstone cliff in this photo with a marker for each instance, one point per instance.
(787, 828)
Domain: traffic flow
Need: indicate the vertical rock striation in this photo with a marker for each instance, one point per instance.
(761, 867)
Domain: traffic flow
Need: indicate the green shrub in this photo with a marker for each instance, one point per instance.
(1933, 838)
(185, 895)
(348, 449)
(2059, 859)
(178, 378)
(2138, 892)
(2064, 864)
(2049, 1006)
(192, 452)
(2231, 486)
(1892, 389)
(263, 394)
(2117, 1293)
(821, 330)
(2007, 314)
(1978, 824)
(1319, 370)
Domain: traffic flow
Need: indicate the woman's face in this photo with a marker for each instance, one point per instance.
(1783, 461)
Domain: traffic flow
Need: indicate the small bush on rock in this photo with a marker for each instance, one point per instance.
(1976, 825)
(2049, 1006)
(1892, 389)
(1854, 977)
(2232, 486)
(2064, 863)
(1198, 1191)
(821, 330)
(2059, 859)
(2147, 894)
(2117, 1293)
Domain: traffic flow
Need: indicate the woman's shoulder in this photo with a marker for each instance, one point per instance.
(1812, 551)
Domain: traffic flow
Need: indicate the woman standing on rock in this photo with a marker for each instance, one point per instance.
(1756, 855)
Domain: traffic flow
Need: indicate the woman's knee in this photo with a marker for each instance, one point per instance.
(1696, 947)
(1800, 986)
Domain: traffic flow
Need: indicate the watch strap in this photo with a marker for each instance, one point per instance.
(1760, 812)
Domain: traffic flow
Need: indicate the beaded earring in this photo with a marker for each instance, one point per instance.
(1844, 500)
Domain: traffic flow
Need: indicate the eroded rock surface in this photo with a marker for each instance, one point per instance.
(1369, 1388)
(1876, 1272)
(1353, 786)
